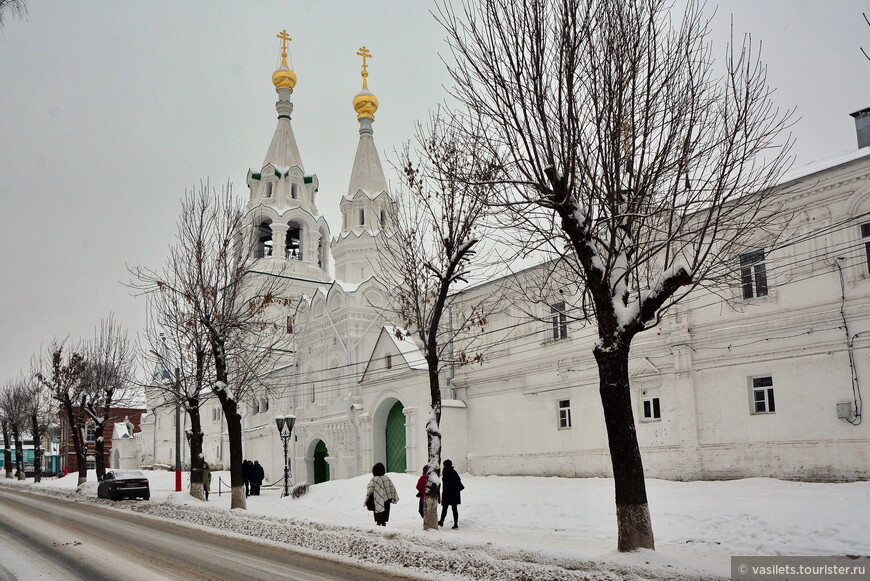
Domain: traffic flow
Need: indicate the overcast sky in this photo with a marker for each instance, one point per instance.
(110, 110)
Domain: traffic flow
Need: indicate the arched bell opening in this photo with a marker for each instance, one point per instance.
(264, 239)
(293, 241)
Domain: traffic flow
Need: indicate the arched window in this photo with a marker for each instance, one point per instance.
(268, 189)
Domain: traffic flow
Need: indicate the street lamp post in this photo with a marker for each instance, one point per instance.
(285, 430)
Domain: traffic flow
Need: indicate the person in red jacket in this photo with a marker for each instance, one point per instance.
(421, 487)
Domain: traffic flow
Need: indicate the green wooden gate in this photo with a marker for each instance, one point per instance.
(321, 466)
(395, 439)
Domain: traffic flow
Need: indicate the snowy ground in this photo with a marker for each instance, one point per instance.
(534, 528)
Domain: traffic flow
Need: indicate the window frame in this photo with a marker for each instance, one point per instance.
(753, 274)
(762, 385)
(558, 321)
(865, 237)
(650, 406)
(563, 410)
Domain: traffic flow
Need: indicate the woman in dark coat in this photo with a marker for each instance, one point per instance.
(246, 474)
(451, 486)
(257, 475)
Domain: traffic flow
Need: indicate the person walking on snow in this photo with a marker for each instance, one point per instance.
(421, 488)
(246, 474)
(257, 475)
(206, 479)
(451, 486)
(383, 492)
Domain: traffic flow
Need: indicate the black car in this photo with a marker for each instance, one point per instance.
(30, 472)
(117, 484)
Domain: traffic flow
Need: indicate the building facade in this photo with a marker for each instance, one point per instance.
(767, 381)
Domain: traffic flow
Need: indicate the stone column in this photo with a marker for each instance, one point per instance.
(685, 405)
(279, 240)
(411, 456)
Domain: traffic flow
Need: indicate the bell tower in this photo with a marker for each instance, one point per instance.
(287, 231)
(367, 204)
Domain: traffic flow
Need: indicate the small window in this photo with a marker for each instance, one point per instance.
(865, 234)
(559, 321)
(388, 361)
(293, 191)
(264, 405)
(312, 393)
(289, 325)
(753, 274)
(268, 189)
(90, 433)
(216, 414)
(564, 414)
(362, 217)
(383, 220)
(762, 395)
(652, 407)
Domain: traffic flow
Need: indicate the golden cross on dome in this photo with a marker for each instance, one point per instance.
(365, 54)
(285, 38)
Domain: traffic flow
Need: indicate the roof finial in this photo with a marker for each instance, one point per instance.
(285, 38)
(365, 54)
(284, 78)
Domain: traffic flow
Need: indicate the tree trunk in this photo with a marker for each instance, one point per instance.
(37, 448)
(632, 511)
(100, 450)
(237, 479)
(7, 452)
(196, 456)
(19, 453)
(433, 439)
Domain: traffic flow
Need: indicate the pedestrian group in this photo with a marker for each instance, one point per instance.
(381, 493)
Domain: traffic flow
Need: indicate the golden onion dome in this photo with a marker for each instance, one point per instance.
(365, 104)
(284, 78)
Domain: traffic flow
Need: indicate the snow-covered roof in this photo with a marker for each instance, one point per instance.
(120, 431)
(407, 348)
(367, 175)
(817, 166)
(283, 151)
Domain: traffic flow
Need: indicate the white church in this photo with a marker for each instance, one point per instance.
(768, 383)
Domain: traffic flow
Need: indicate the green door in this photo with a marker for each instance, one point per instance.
(396, 439)
(321, 466)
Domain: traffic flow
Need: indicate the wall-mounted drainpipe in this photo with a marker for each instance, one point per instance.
(452, 374)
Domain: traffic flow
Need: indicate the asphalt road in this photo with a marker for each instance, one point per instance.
(43, 538)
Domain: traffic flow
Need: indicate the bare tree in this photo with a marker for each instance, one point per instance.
(13, 402)
(7, 437)
(622, 149)
(180, 352)
(210, 268)
(17, 8)
(41, 413)
(107, 381)
(436, 229)
(62, 371)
